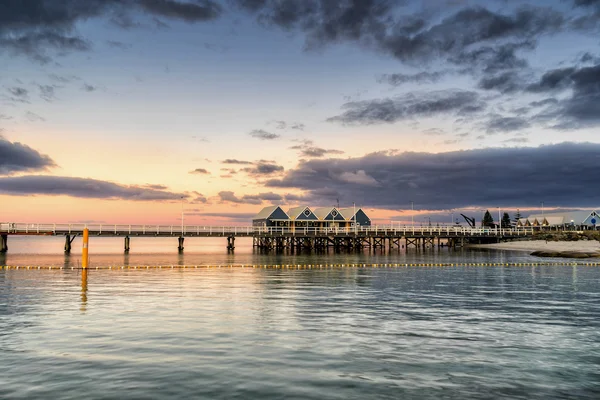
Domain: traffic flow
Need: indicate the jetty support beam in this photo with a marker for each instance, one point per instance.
(69, 242)
(127, 243)
(3, 243)
(180, 241)
(231, 242)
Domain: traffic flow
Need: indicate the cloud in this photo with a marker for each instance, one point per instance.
(308, 149)
(562, 174)
(264, 135)
(33, 117)
(16, 157)
(505, 82)
(82, 188)
(200, 10)
(386, 27)
(88, 88)
(18, 94)
(408, 106)
(262, 168)
(230, 197)
(33, 27)
(420, 77)
(200, 171)
(582, 106)
(499, 124)
(47, 92)
(232, 161)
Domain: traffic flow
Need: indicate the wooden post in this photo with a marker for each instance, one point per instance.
(180, 241)
(127, 242)
(3, 243)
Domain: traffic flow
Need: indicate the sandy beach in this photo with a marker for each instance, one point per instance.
(542, 245)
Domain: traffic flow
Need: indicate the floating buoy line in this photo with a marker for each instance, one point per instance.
(304, 266)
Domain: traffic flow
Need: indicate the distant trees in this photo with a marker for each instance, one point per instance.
(506, 223)
(488, 220)
(517, 216)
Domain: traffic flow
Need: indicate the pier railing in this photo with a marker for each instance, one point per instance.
(197, 230)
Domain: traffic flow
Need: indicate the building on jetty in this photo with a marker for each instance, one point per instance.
(305, 216)
(581, 220)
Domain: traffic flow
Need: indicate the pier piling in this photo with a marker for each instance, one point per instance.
(231, 242)
(127, 242)
(69, 242)
(180, 240)
(3, 243)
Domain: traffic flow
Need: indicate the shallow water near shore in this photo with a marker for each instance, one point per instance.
(453, 332)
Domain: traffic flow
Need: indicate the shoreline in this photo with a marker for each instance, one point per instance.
(587, 246)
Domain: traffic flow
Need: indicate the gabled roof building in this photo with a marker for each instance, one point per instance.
(582, 219)
(304, 216)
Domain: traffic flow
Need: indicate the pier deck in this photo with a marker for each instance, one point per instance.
(275, 237)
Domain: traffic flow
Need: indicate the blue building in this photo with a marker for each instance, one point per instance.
(305, 216)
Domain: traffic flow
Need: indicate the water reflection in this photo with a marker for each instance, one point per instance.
(84, 290)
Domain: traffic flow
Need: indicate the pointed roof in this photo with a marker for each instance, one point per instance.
(324, 212)
(349, 212)
(266, 212)
(301, 213)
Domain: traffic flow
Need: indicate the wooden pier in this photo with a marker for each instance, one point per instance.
(372, 237)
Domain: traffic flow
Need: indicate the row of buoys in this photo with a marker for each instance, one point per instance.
(311, 266)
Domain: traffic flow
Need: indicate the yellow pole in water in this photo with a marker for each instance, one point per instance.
(84, 254)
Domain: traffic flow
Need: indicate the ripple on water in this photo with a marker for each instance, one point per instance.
(453, 332)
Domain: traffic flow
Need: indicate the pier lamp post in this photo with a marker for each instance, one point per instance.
(499, 219)
(412, 212)
(181, 215)
(354, 217)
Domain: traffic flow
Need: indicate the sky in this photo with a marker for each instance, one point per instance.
(128, 111)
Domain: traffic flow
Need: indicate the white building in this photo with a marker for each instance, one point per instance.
(578, 219)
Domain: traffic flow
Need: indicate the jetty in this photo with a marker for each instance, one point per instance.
(349, 237)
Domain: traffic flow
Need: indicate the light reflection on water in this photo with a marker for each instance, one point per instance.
(452, 332)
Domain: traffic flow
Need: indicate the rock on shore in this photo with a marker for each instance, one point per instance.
(565, 254)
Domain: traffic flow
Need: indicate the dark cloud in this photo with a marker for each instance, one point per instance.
(409, 106)
(200, 171)
(199, 10)
(198, 197)
(232, 161)
(82, 188)
(47, 92)
(384, 26)
(499, 124)
(582, 107)
(18, 94)
(34, 44)
(544, 102)
(505, 82)
(516, 177)
(308, 149)
(32, 27)
(264, 135)
(493, 59)
(420, 77)
(89, 88)
(230, 197)
(16, 157)
(557, 79)
(262, 168)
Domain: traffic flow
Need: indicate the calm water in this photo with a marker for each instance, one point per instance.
(451, 332)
